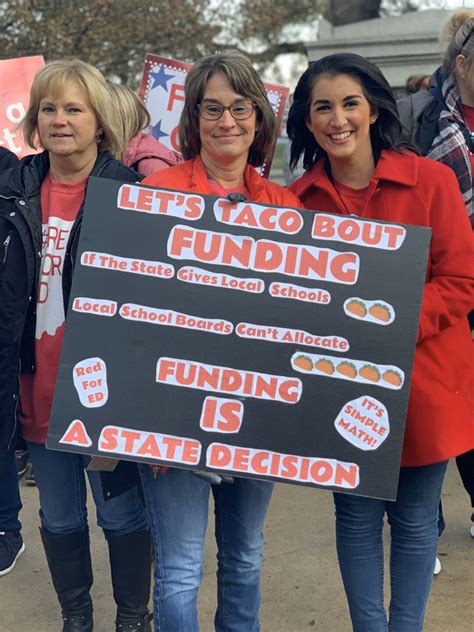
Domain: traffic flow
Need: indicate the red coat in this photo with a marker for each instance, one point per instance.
(419, 191)
(191, 176)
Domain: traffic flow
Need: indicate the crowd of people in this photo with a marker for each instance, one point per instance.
(345, 129)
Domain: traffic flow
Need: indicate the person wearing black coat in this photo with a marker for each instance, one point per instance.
(41, 207)
(11, 541)
(7, 159)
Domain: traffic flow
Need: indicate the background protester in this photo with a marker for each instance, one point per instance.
(344, 123)
(415, 83)
(11, 541)
(227, 128)
(143, 153)
(441, 122)
(72, 117)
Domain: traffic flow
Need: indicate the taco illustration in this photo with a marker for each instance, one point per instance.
(347, 368)
(357, 308)
(392, 377)
(370, 372)
(380, 312)
(303, 362)
(325, 366)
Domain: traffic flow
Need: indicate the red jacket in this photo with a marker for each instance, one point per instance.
(419, 191)
(191, 176)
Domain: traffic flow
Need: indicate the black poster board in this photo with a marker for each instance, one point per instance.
(260, 341)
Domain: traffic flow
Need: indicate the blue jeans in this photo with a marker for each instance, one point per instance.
(61, 484)
(10, 503)
(413, 519)
(177, 506)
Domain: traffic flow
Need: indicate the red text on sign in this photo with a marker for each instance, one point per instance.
(362, 233)
(118, 440)
(313, 470)
(222, 379)
(221, 415)
(309, 262)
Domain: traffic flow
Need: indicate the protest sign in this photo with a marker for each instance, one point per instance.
(16, 77)
(162, 91)
(256, 340)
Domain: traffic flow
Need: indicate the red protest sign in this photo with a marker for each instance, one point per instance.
(16, 76)
(162, 91)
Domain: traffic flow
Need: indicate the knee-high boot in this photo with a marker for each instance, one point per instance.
(130, 565)
(69, 562)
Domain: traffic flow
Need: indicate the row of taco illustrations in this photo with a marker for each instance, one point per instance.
(389, 376)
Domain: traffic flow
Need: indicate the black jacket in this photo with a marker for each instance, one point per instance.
(7, 159)
(20, 259)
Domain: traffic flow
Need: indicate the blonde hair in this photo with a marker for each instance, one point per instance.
(459, 31)
(51, 80)
(133, 115)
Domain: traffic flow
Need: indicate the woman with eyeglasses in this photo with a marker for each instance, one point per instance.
(227, 128)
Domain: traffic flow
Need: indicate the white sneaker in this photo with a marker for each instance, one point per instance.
(437, 568)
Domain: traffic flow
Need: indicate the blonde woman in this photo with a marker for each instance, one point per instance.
(142, 152)
(72, 118)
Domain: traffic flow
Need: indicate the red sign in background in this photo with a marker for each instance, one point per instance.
(16, 77)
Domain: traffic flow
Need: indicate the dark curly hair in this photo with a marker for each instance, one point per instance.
(385, 132)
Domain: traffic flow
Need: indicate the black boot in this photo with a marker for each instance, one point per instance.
(130, 565)
(69, 562)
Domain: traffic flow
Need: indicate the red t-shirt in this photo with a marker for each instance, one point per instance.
(60, 204)
(217, 189)
(352, 199)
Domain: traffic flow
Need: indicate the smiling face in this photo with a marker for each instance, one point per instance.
(67, 124)
(225, 141)
(339, 117)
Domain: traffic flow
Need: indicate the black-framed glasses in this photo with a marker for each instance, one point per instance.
(466, 39)
(239, 111)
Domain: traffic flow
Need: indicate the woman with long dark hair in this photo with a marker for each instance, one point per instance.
(345, 125)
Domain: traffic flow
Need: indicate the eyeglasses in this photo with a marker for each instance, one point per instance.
(239, 111)
(466, 39)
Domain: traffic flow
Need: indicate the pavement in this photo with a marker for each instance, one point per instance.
(301, 586)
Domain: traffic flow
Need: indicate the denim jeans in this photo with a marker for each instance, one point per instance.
(177, 505)
(413, 519)
(10, 503)
(62, 490)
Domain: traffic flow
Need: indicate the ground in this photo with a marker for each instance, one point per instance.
(301, 586)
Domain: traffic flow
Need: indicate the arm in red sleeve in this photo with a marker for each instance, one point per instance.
(449, 291)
